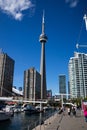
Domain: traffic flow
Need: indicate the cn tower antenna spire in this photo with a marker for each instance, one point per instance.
(43, 22)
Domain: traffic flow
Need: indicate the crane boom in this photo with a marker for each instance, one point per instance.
(78, 46)
(82, 46)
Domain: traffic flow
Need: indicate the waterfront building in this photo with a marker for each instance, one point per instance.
(6, 74)
(17, 94)
(62, 85)
(20, 88)
(68, 90)
(43, 40)
(32, 84)
(57, 97)
(49, 94)
(78, 75)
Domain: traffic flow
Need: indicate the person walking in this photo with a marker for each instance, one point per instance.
(74, 111)
(85, 113)
(69, 111)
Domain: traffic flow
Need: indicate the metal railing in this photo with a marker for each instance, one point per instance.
(43, 121)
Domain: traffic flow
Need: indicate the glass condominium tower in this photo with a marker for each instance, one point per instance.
(78, 75)
(62, 85)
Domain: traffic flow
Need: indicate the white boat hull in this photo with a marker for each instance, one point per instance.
(4, 116)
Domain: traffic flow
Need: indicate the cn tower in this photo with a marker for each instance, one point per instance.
(43, 40)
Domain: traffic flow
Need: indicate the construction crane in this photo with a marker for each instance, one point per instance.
(85, 18)
(79, 45)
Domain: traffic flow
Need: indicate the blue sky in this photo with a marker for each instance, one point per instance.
(20, 28)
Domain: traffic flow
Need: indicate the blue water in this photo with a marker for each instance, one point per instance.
(21, 121)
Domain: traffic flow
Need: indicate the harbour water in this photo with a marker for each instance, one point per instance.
(22, 121)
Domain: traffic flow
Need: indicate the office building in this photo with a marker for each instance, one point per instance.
(68, 90)
(6, 74)
(32, 84)
(78, 75)
(49, 94)
(62, 85)
(20, 88)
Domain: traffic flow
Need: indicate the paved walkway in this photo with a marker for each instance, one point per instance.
(64, 122)
(73, 123)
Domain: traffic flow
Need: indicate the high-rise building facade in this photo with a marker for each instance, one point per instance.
(43, 40)
(78, 75)
(68, 90)
(6, 74)
(49, 94)
(62, 85)
(32, 84)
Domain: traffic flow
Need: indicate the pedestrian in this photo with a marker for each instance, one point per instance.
(69, 111)
(85, 113)
(74, 110)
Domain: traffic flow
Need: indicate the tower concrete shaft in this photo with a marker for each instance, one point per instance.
(43, 39)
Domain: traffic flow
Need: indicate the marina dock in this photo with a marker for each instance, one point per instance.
(64, 122)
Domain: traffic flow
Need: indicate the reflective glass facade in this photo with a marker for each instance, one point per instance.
(78, 75)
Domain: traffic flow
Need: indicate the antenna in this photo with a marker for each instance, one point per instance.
(43, 22)
(43, 16)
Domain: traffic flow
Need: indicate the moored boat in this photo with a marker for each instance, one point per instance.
(29, 109)
(4, 115)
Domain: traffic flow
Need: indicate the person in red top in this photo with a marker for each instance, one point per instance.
(85, 113)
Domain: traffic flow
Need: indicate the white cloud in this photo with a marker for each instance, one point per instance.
(15, 8)
(72, 3)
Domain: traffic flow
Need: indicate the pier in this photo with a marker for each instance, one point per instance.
(64, 122)
(55, 121)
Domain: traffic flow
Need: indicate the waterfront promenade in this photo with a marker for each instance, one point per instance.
(64, 122)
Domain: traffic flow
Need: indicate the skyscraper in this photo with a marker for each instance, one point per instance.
(78, 75)
(43, 40)
(6, 74)
(68, 90)
(62, 84)
(49, 94)
(32, 83)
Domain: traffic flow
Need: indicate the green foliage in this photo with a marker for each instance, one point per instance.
(77, 101)
(53, 103)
